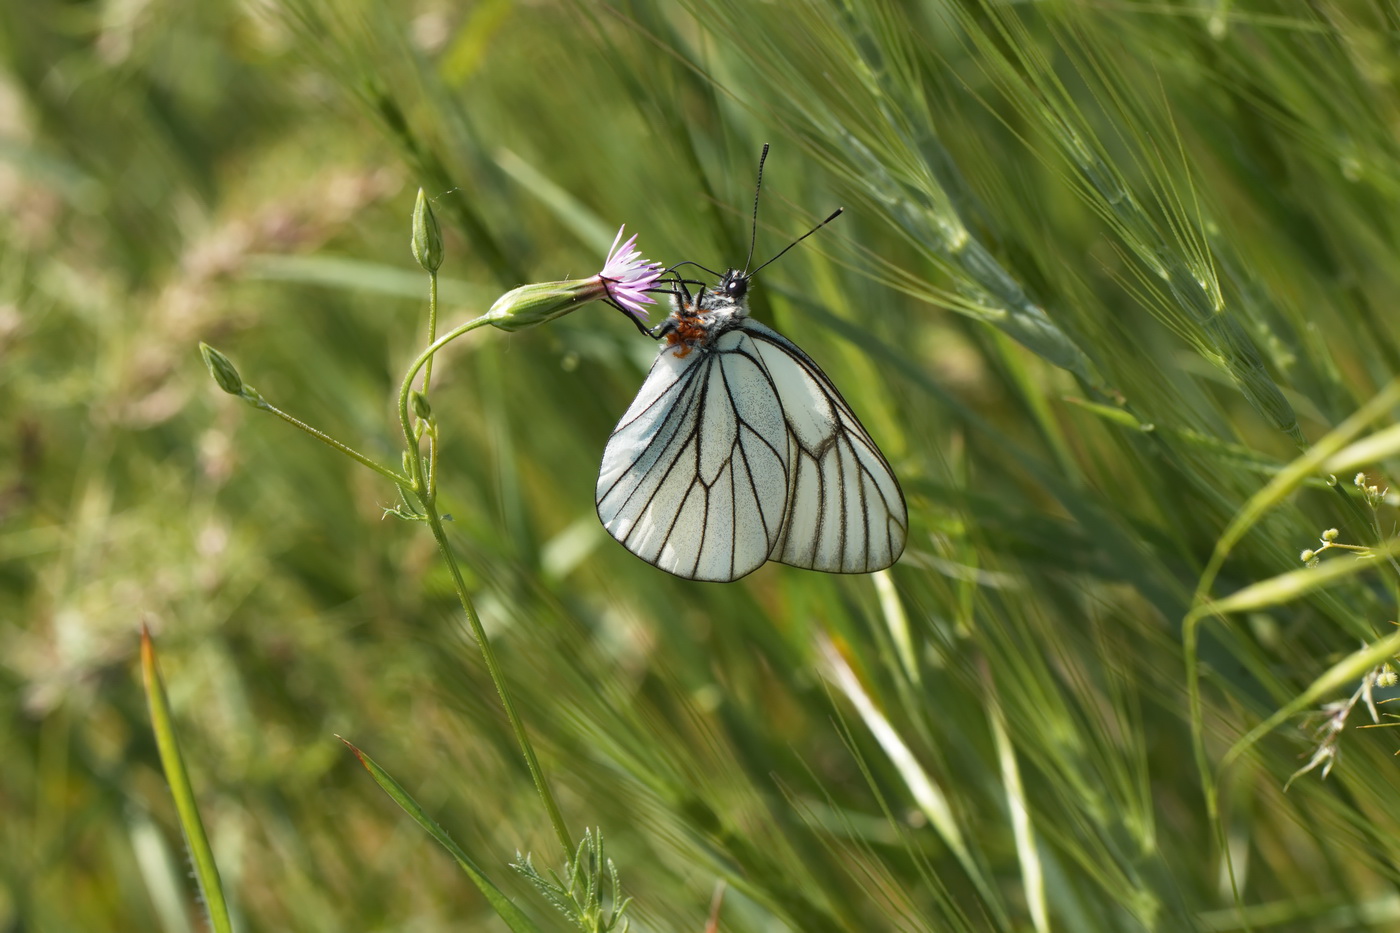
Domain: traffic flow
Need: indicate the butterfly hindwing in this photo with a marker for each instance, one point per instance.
(845, 510)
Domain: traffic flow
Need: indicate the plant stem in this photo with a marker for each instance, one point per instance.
(426, 495)
(428, 381)
(332, 442)
(432, 328)
(493, 666)
(424, 359)
(432, 462)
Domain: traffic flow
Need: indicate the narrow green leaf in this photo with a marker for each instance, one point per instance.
(1368, 451)
(205, 871)
(1109, 413)
(1296, 583)
(503, 906)
(572, 212)
(1282, 485)
(1022, 824)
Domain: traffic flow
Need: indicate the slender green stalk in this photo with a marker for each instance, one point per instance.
(432, 328)
(421, 488)
(332, 442)
(432, 462)
(493, 666)
(406, 388)
(428, 381)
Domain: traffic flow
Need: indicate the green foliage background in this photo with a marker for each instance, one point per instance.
(1105, 269)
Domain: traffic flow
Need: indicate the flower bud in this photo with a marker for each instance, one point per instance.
(222, 369)
(421, 408)
(427, 236)
(1329, 535)
(626, 279)
(529, 305)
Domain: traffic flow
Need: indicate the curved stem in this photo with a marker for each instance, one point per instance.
(424, 492)
(407, 387)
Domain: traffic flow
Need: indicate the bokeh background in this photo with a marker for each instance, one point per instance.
(1105, 270)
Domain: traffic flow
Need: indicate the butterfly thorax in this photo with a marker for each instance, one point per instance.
(697, 321)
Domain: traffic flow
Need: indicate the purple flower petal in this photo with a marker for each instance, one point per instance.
(628, 276)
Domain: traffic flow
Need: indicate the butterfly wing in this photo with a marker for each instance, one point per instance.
(695, 476)
(845, 511)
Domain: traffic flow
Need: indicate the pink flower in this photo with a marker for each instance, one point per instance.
(627, 276)
(624, 282)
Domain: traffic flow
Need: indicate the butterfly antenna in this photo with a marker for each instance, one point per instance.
(753, 233)
(834, 214)
(690, 262)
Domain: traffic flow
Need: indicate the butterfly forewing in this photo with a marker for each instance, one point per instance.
(692, 480)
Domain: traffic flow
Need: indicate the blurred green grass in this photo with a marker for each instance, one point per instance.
(1104, 270)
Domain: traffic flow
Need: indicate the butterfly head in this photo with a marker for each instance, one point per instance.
(699, 318)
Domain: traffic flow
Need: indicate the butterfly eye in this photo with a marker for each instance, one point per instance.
(735, 285)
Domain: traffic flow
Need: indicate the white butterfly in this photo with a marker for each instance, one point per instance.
(739, 450)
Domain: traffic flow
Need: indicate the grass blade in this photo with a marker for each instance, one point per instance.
(206, 872)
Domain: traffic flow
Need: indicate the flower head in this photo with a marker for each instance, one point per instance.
(624, 281)
(627, 276)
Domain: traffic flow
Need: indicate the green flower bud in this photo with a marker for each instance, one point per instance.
(529, 305)
(1329, 535)
(421, 408)
(626, 279)
(222, 369)
(427, 236)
